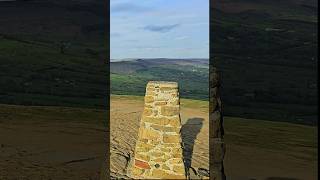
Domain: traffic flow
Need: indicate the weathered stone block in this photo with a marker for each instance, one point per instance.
(175, 95)
(151, 93)
(157, 127)
(166, 150)
(177, 150)
(155, 112)
(165, 129)
(141, 164)
(148, 99)
(175, 161)
(149, 134)
(174, 176)
(215, 119)
(150, 85)
(213, 106)
(162, 121)
(157, 154)
(178, 169)
(172, 129)
(175, 121)
(171, 138)
(171, 145)
(165, 167)
(160, 103)
(177, 155)
(144, 145)
(163, 89)
(159, 160)
(147, 111)
(142, 157)
(137, 171)
(169, 110)
(165, 84)
(174, 102)
(158, 173)
(218, 151)
(150, 89)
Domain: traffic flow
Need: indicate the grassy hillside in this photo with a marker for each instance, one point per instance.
(131, 77)
(53, 53)
(266, 52)
(38, 74)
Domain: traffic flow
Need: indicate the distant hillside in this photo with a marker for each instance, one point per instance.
(267, 54)
(130, 77)
(52, 21)
(52, 52)
(138, 64)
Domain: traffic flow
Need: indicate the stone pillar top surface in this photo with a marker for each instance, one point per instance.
(163, 84)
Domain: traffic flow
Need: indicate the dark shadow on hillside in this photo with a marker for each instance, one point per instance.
(189, 132)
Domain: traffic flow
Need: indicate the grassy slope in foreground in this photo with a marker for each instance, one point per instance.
(26, 114)
(46, 142)
(262, 145)
(299, 141)
(185, 103)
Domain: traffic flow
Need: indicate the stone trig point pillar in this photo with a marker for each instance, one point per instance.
(217, 149)
(158, 151)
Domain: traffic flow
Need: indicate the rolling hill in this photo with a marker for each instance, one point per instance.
(131, 77)
(267, 55)
(53, 53)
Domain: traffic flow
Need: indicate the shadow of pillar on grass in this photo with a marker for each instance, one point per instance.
(189, 132)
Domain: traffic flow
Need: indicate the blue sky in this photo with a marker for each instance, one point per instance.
(159, 29)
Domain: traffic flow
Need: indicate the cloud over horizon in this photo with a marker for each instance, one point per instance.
(161, 28)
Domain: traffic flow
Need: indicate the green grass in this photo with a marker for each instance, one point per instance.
(275, 136)
(193, 85)
(269, 75)
(185, 103)
(35, 73)
(20, 114)
(298, 141)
